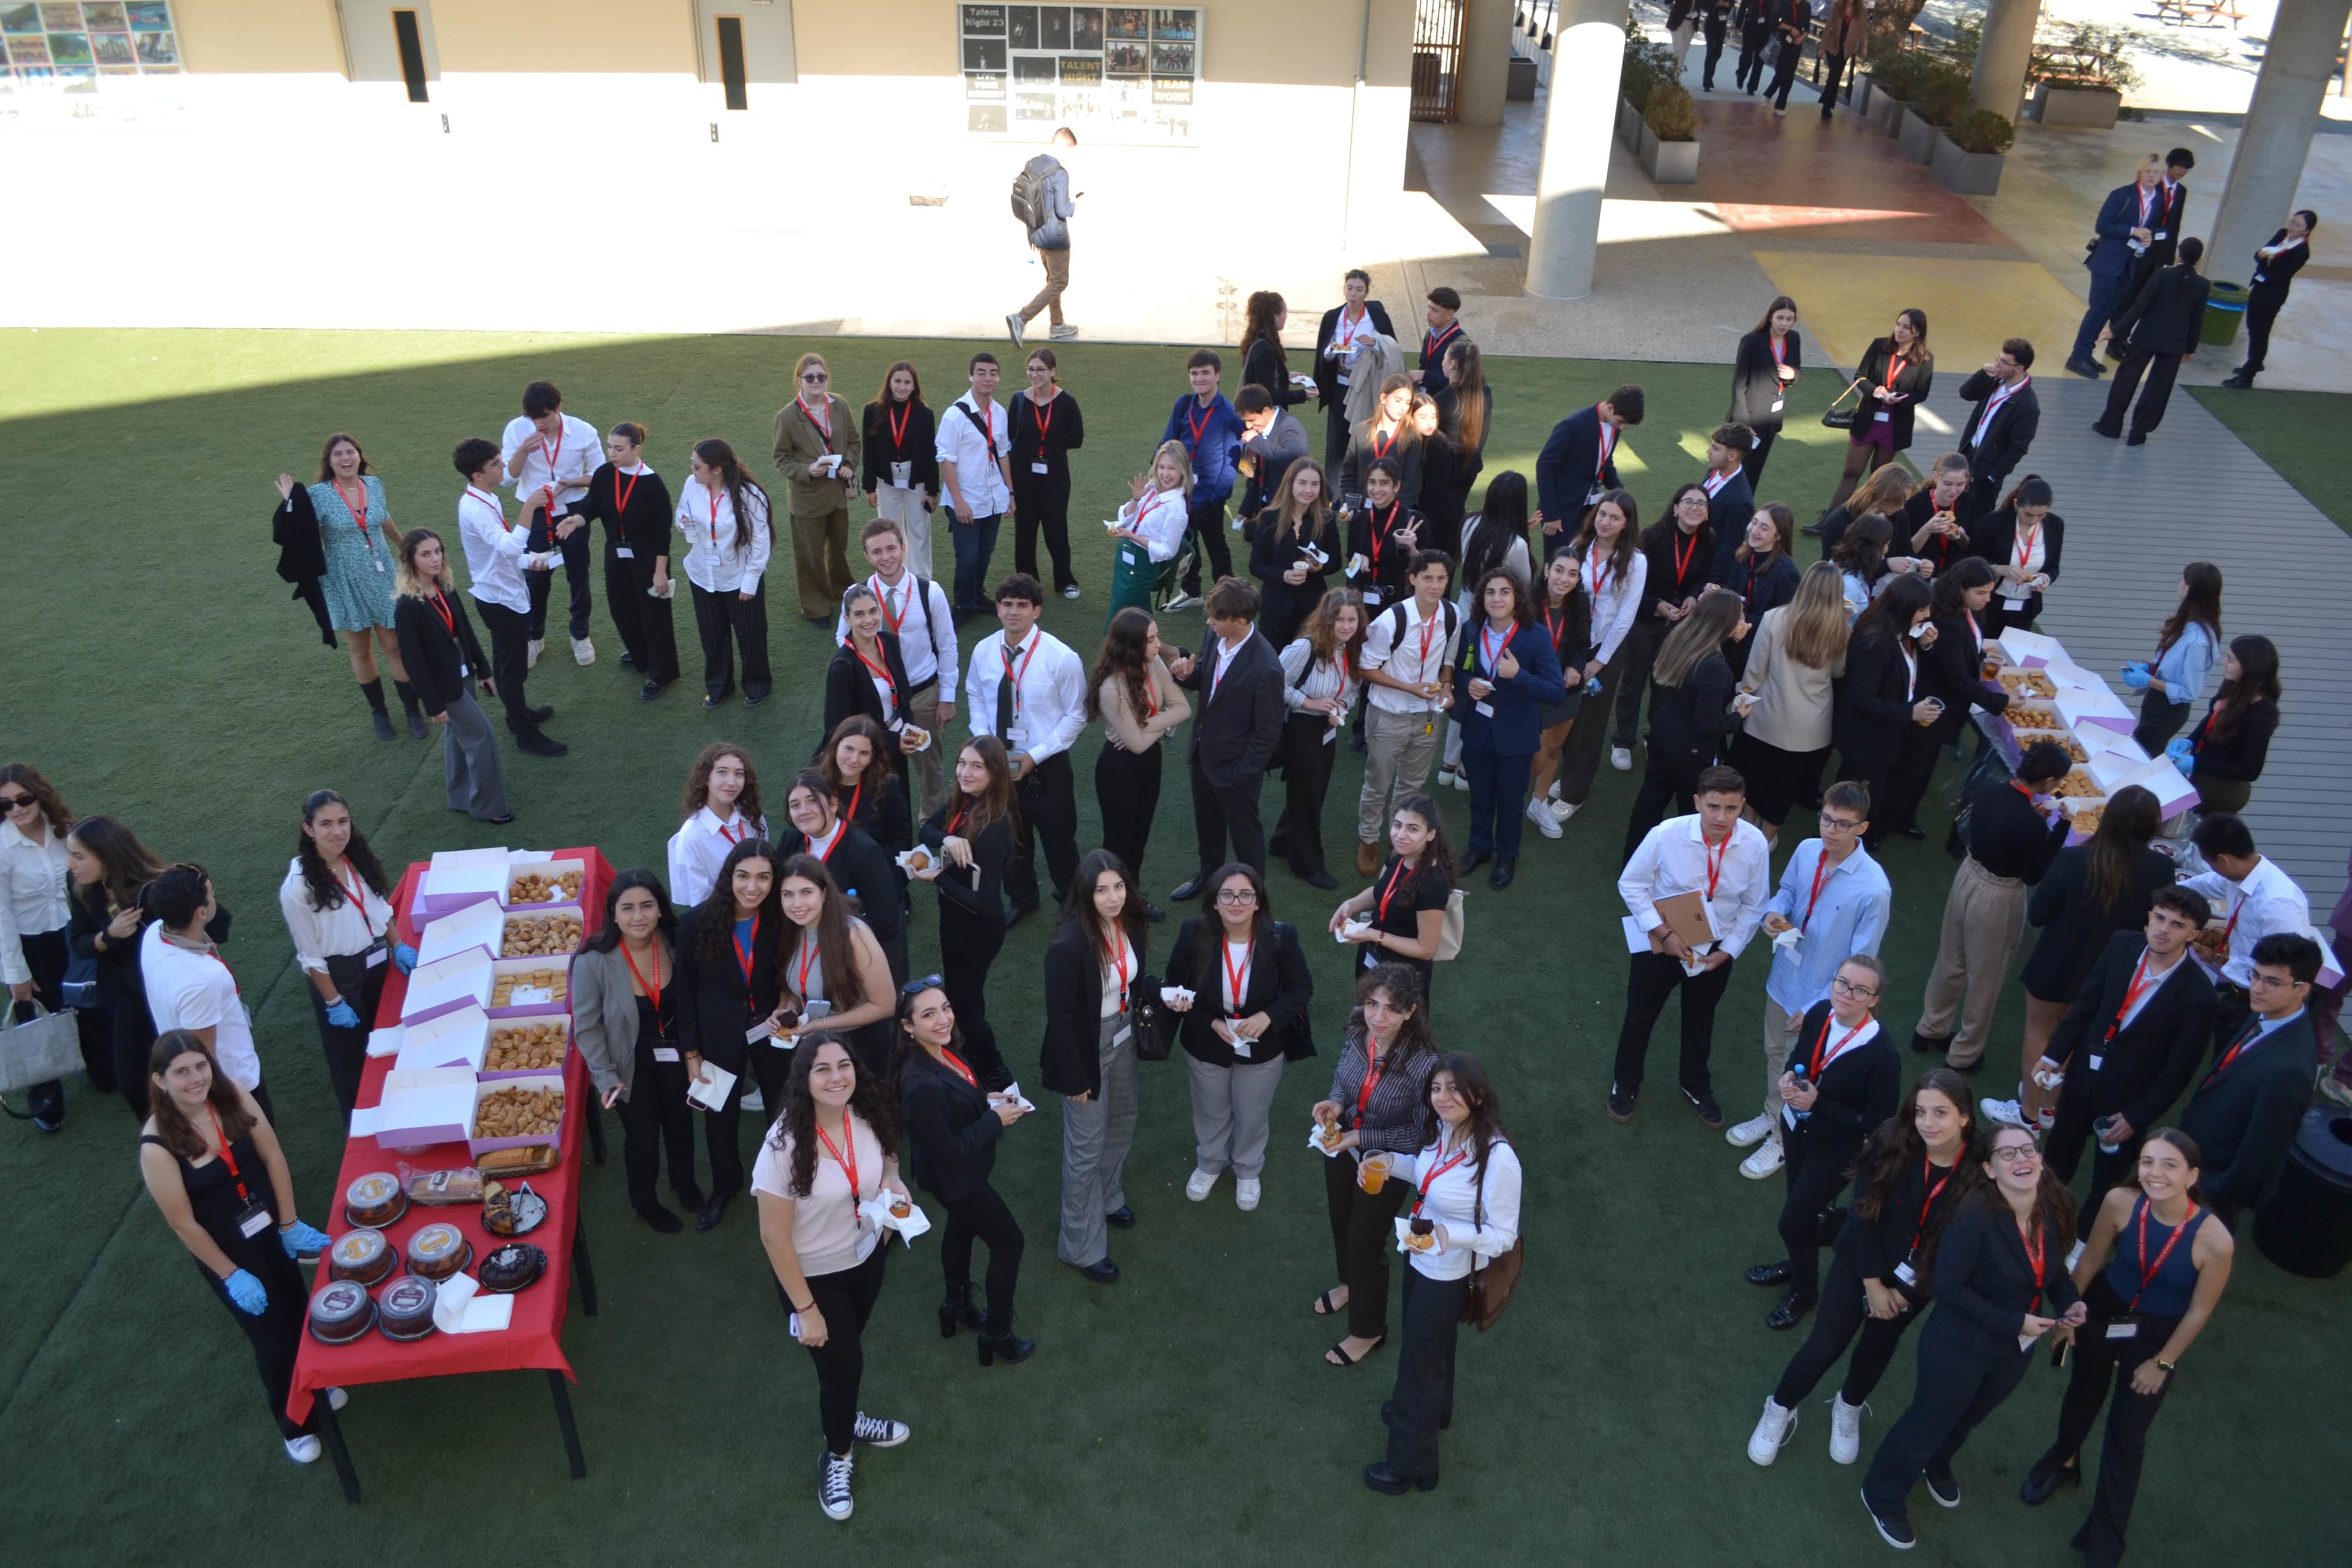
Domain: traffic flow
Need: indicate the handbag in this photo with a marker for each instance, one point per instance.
(1152, 1020)
(1449, 934)
(1491, 1286)
(1838, 418)
(40, 1049)
(79, 987)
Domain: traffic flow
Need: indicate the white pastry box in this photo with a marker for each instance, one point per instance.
(460, 877)
(481, 925)
(460, 1037)
(446, 985)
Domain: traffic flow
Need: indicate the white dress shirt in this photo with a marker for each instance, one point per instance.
(1159, 517)
(2266, 903)
(963, 449)
(32, 894)
(191, 988)
(2151, 982)
(713, 564)
(1329, 677)
(1615, 599)
(925, 630)
(1399, 652)
(699, 847)
(495, 551)
(1454, 1200)
(342, 931)
(1049, 705)
(1672, 858)
(555, 470)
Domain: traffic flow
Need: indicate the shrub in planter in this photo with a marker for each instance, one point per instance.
(1897, 74)
(1647, 66)
(1670, 114)
(1982, 130)
(1941, 94)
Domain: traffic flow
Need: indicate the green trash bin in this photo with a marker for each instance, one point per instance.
(2225, 310)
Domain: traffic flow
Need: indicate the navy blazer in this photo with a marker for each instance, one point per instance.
(1571, 466)
(2274, 277)
(1984, 1278)
(2111, 254)
(1517, 727)
(2150, 1060)
(2245, 1116)
(1727, 512)
(2014, 425)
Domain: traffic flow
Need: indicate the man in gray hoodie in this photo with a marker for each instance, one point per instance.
(1050, 237)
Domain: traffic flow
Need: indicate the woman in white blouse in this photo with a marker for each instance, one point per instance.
(34, 914)
(1321, 673)
(724, 513)
(719, 810)
(1150, 528)
(1463, 1213)
(336, 900)
(1615, 574)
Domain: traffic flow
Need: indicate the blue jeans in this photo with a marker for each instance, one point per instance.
(2106, 299)
(975, 542)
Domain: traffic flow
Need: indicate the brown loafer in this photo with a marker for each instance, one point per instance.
(1368, 860)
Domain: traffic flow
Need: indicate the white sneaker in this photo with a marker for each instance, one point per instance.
(1764, 1162)
(1062, 333)
(1071, 592)
(876, 1433)
(2008, 1112)
(1845, 1430)
(1452, 777)
(833, 1487)
(1197, 1187)
(1013, 325)
(531, 655)
(303, 1450)
(1773, 1430)
(1748, 1133)
(1621, 759)
(583, 651)
(1540, 813)
(754, 1101)
(1562, 810)
(1181, 602)
(1245, 1193)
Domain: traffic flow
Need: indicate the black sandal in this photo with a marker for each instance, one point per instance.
(1340, 1350)
(1324, 1309)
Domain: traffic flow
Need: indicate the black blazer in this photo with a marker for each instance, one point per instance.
(1858, 1090)
(920, 449)
(433, 653)
(1996, 541)
(2165, 251)
(1870, 712)
(990, 851)
(294, 529)
(1727, 512)
(951, 1131)
(2272, 278)
(1692, 720)
(1403, 449)
(2245, 1116)
(882, 812)
(2009, 436)
(1665, 544)
(1071, 1060)
(2240, 756)
(849, 688)
(715, 1008)
(1954, 671)
(1391, 574)
(1280, 603)
(1441, 485)
(1279, 985)
(2168, 315)
(1945, 553)
(2143, 1068)
(1570, 467)
(1236, 733)
(863, 869)
(1328, 392)
(1265, 365)
(120, 982)
(1756, 387)
(1984, 1279)
(2073, 934)
(1914, 382)
(1877, 1246)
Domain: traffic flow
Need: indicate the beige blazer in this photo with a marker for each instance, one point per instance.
(800, 443)
(1792, 701)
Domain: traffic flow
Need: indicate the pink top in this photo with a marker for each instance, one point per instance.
(827, 1231)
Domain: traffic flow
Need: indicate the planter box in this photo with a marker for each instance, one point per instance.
(1917, 139)
(1629, 125)
(1669, 162)
(1858, 96)
(2074, 108)
(1886, 111)
(1966, 173)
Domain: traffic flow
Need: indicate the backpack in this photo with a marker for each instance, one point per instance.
(1029, 198)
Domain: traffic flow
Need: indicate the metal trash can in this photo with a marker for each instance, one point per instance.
(2225, 312)
(2305, 1226)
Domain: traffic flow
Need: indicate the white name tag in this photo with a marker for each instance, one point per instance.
(377, 955)
(1126, 1033)
(2123, 1330)
(379, 565)
(253, 1224)
(1882, 417)
(1593, 496)
(531, 995)
(666, 1053)
(1484, 710)
(2013, 604)
(1789, 1115)
(1779, 404)
(1037, 467)
(2098, 1062)
(626, 553)
(463, 672)
(1906, 1273)
(2025, 1341)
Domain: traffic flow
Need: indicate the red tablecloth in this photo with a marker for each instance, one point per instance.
(534, 1340)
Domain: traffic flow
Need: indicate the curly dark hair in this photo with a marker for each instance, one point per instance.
(326, 891)
(796, 1124)
(697, 784)
(1401, 983)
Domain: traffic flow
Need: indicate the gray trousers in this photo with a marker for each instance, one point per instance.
(1231, 1110)
(1778, 1043)
(1096, 1137)
(1398, 750)
(476, 783)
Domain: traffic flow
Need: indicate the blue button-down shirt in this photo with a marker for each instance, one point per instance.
(1849, 916)
(2186, 664)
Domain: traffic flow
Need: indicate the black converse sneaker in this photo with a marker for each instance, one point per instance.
(879, 1434)
(833, 1489)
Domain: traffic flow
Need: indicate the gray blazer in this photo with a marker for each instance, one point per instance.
(604, 1017)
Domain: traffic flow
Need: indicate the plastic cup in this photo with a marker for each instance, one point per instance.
(1373, 1174)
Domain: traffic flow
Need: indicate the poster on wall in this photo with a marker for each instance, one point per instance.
(74, 42)
(1118, 73)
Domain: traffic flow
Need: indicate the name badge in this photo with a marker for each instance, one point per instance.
(1789, 1115)
(2097, 1062)
(759, 1031)
(666, 1053)
(1371, 597)
(254, 1221)
(2123, 1329)
(463, 672)
(625, 553)
(2013, 604)
(379, 565)
(1882, 417)
(900, 474)
(1903, 1272)
(2025, 1341)
(1593, 496)
(1037, 467)
(1484, 710)
(378, 953)
(2160, 234)
(1126, 1033)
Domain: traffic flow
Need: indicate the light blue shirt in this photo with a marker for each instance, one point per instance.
(1849, 916)
(2186, 664)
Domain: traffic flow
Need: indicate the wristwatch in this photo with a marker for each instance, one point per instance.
(2162, 1365)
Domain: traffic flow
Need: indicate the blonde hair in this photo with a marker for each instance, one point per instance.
(1289, 520)
(1183, 464)
(2154, 160)
(1817, 627)
(405, 577)
(807, 360)
(1885, 490)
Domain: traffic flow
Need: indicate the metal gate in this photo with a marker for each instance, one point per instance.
(1437, 28)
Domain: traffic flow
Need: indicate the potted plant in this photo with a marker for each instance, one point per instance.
(1670, 150)
(1968, 155)
(1938, 99)
(1647, 66)
(1892, 81)
(2079, 75)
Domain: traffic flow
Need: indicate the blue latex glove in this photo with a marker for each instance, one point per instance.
(246, 1293)
(2136, 678)
(301, 1240)
(403, 956)
(341, 1014)
(2180, 753)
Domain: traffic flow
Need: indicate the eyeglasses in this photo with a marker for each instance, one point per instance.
(1696, 500)
(1842, 985)
(2272, 982)
(1838, 824)
(917, 987)
(1239, 900)
(2019, 1155)
(17, 802)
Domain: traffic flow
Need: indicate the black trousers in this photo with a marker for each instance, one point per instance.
(2262, 311)
(762, 1067)
(1223, 812)
(1784, 72)
(1650, 979)
(1752, 463)
(1814, 1184)
(1908, 778)
(983, 1217)
(1424, 1400)
(2159, 369)
(1310, 746)
(727, 620)
(1844, 1311)
(1049, 810)
(969, 944)
(648, 632)
(847, 1298)
(132, 1031)
(2097, 1362)
(1716, 32)
(1635, 657)
(1957, 1387)
(655, 1119)
(1043, 500)
(1363, 1234)
(1833, 69)
(574, 550)
(510, 661)
(1209, 522)
(1126, 792)
(1335, 434)
(346, 1048)
(2160, 718)
(276, 1335)
(1668, 784)
(1755, 45)
(2072, 1130)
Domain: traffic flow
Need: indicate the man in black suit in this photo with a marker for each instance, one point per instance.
(1730, 498)
(1236, 724)
(2245, 1113)
(2131, 1041)
(2172, 208)
(2002, 430)
(1343, 327)
(2164, 324)
(1578, 464)
(2275, 265)
(859, 865)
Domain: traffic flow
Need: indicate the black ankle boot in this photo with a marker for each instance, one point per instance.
(408, 705)
(999, 1342)
(959, 1308)
(374, 691)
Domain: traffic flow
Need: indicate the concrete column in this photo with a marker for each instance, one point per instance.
(1486, 62)
(2277, 137)
(1580, 129)
(1999, 83)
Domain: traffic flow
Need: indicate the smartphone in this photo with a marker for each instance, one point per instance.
(2059, 1352)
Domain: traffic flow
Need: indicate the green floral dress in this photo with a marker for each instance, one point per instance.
(358, 583)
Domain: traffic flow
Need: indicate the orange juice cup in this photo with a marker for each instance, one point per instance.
(1373, 1174)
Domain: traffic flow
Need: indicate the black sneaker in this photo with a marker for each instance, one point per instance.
(1894, 1527)
(1710, 1114)
(650, 690)
(540, 744)
(1944, 1487)
(1621, 1104)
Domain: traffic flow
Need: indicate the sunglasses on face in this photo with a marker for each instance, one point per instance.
(814, 378)
(15, 802)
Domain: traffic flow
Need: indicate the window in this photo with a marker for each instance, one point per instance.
(412, 54)
(730, 61)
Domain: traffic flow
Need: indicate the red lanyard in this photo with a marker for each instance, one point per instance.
(898, 423)
(1380, 448)
(823, 426)
(2148, 1271)
(738, 833)
(230, 1160)
(1461, 1154)
(357, 509)
(652, 988)
(1600, 579)
(1553, 628)
(2021, 788)
(1434, 342)
(1896, 365)
(1820, 1058)
(1716, 856)
(1345, 335)
(496, 510)
(1371, 1079)
(894, 622)
(1428, 630)
(1496, 657)
(956, 1063)
(743, 956)
(1928, 1206)
(810, 952)
(827, 858)
(1151, 695)
(1016, 679)
(1780, 347)
(1199, 428)
(2132, 994)
(1821, 868)
(1116, 954)
(2254, 1032)
(2025, 544)
(2145, 196)
(1396, 875)
(881, 672)
(554, 453)
(2036, 1252)
(1381, 532)
(2239, 907)
(357, 892)
(714, 517)
(441, 608)
(1238, 979)
(1043, 414)
(962, 810)
(1683, 559)
(1747, 589)
(621, 497)
(857, 791)
(1976, 632)
(848, 1166)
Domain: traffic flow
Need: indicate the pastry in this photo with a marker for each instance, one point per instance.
(497, 1209)
(375, 1200)
(440, 1188)
(340, 1312)
(2029, 716)
(539, 888)
(527, 1047)
(2059, 738)
(438, 1251)
(362, 1257)
(526, 1161)
(405, 1311)
(1422, 1235)
(556, 983)
(2088, 819)
(512, 1267)
(536, 935)
(2027, 683)
(2078, 785)
(518, 1113)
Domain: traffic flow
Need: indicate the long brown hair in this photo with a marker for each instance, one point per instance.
(1696, 635)
(129, 865)
(1888, 486)
(2201, 605)
(716, 454)
(326, 891)
(53, 805)
(995, 801)
(2126, 827)
(698, 783)
(1078, 900)
(409, 578)
(327, 469)
(1264, 307)
(869, 1101)
(1784, 534)
(836, 950)
(1289, 521)
(714, 918)
(1322, 633)
(2258, 663)
(1124, 640)
(1470, 393)
(829, 762)
(883, 399)
(1779, 303)
(181, 1136)
(1894, 1148)
(1621, 559)
(1818, 629)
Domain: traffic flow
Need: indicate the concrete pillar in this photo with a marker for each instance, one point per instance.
(1580, 129)
(1999, 83)
(1486, 62)
(2277, 137)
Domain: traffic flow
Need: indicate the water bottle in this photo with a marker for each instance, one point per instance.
(1592, 686)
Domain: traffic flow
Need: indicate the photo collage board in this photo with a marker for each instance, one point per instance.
(1111, 73)
(77, 41)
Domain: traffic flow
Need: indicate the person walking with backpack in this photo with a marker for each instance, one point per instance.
(1042, 200)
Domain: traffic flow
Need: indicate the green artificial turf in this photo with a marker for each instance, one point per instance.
(2300, 434)
(156, 669)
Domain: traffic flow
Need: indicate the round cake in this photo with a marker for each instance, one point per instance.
(405, 1311)
(512, 1266)
(375, 1200)
(362, 1256)
(340, 1312)
(438, 1251)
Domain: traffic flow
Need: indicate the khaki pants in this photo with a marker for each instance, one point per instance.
(931, 773)
(904, 506)
(821, 563)
(1983, 917)
(1057, 277)
(1778, 1043)
(1398, 750)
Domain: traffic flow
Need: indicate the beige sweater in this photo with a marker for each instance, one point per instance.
(1136, 733)
(1792, 701)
